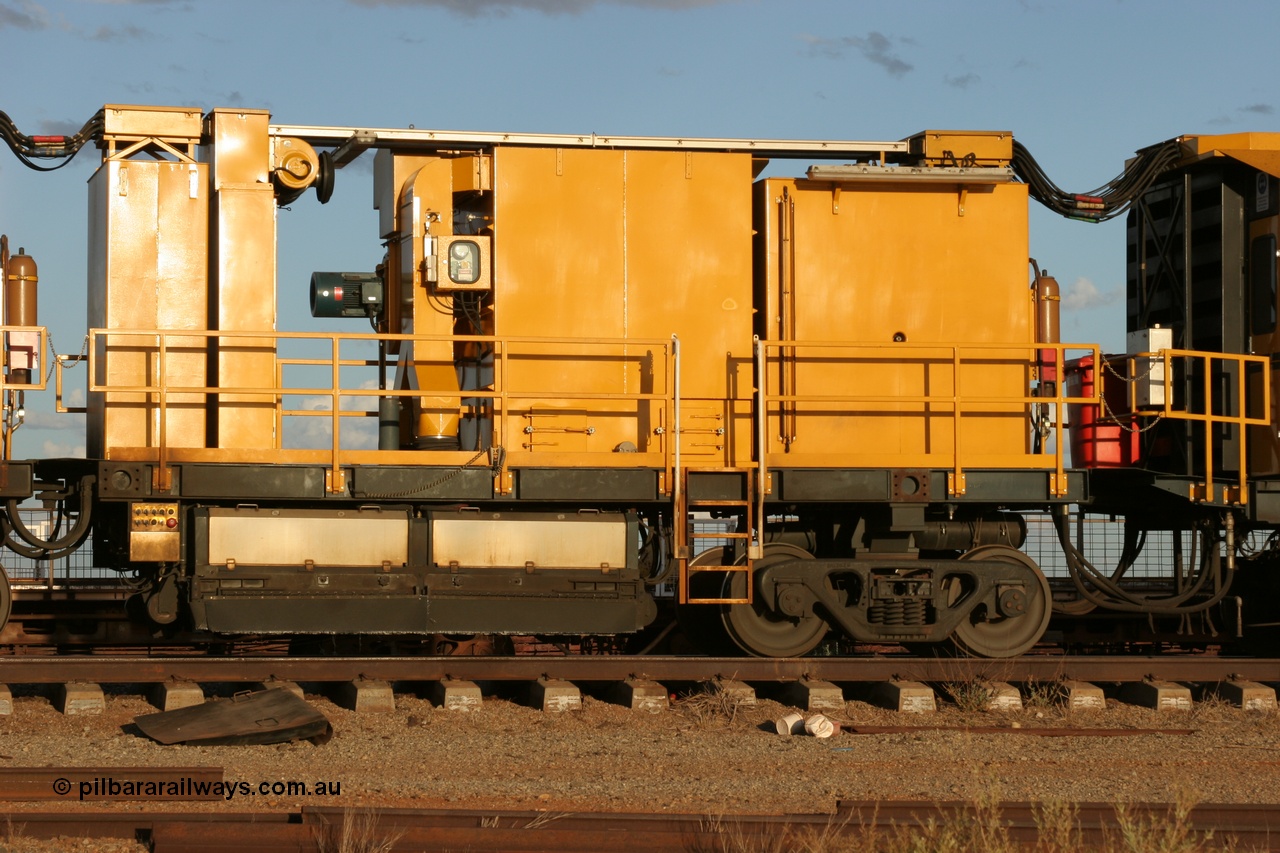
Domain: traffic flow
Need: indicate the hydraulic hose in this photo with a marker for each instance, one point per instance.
(32, 546)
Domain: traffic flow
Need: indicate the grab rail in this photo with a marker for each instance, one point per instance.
(656, 358)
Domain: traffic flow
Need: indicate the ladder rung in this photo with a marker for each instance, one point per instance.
(718, 601)
(719, 503)
(693, 569)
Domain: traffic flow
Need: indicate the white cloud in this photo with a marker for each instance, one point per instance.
(312, 432)
(1082, 294)
(59, 449)
(53, 420)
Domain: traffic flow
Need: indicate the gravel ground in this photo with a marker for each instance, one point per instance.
(704, 756)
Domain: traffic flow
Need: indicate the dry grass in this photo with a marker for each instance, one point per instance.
(710, 707)
(358, 833)
(1209, 707)
(981, 828)
(546, 818)
(1169, 833)
(972, 695)
(14, 838)
(1039, 695)
(727, 835)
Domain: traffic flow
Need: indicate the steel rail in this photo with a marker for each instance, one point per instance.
(53, 669)
(1251, 826)
(95, 783)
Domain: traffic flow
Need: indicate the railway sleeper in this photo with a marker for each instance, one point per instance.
(365, 695)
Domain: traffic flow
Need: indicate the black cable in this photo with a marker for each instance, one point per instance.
(23, 550)
(1107, 201)
(58, 546)
(28, 149)
(653, 550)
(1110, 596)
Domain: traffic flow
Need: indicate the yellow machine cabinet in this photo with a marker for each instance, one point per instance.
(148, 250)
(907, 280)
(177, 244)
(594, 244)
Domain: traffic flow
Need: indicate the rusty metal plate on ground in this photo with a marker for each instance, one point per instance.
(268, 716)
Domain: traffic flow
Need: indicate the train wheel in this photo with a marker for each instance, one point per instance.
(759, 631)
(997, 636)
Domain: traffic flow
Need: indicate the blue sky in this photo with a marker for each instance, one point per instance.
(1081, 84)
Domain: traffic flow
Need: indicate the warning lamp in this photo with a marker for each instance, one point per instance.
(464, 262)
(346, 294)
(459, 263)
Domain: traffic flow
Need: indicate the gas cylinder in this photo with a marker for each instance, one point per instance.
(1048, 321)
(20, 283)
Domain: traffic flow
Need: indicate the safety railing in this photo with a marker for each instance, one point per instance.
(25, 344)
(783, 366)
(1208, 388)
(630, 374)
(23, 347)
(797, 378)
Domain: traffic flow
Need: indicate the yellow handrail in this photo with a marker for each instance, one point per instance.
(1032, 357)
(40, 376)
(1226, 364)
(159, 389)
(1029, 355)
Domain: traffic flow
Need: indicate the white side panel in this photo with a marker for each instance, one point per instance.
(502, 543)
(291, 541)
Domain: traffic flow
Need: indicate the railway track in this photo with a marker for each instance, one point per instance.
(226, 827)
(1250, 827)
(141, 668)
